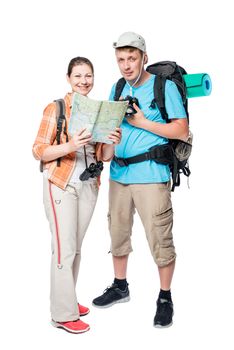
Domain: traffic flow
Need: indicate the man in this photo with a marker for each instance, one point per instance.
(144, 185)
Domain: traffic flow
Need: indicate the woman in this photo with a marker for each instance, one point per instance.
(69, 202)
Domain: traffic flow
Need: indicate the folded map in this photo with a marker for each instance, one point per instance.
(98, 117)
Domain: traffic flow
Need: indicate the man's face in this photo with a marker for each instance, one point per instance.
(129, 62)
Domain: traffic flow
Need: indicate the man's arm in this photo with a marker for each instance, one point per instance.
(176, 129)
(107, 149)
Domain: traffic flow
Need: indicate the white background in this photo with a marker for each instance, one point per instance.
(37, 41)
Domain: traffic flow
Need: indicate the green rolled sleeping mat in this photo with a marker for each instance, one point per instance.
(198, 84)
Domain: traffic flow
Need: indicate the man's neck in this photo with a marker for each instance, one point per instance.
(144, 76)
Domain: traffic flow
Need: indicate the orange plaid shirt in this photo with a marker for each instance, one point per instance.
(46, 137)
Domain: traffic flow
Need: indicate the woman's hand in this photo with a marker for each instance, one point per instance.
(116, 136)
(79, 140)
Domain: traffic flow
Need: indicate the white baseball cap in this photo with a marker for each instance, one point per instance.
(130, 39)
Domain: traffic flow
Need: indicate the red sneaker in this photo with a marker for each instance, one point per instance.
(83, 310)
(76, 327)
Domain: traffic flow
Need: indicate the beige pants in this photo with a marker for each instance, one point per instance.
(69, 213)
(153, 204)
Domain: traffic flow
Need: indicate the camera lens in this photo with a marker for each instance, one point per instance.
(131, 110)
(92, 167)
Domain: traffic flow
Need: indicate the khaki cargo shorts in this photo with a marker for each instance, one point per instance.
(153, 204)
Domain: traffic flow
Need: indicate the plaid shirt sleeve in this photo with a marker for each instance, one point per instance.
(47, 131)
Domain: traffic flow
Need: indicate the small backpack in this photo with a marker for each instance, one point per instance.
(179, 151)
(60, 117)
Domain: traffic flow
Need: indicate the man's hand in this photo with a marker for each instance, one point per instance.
(137, 119)
(79, 140)
(115, 136)
(107, 149)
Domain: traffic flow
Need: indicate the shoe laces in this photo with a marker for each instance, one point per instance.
(110, 289)
(163, 305)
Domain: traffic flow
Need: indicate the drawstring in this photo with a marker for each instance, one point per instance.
(131, 86)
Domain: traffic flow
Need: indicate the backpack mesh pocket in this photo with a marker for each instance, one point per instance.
(184, 148)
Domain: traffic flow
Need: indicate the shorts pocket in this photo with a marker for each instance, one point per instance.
(163, 229)
(163, 218)
(164, 185)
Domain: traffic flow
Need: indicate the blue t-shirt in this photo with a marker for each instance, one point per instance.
(136, 141)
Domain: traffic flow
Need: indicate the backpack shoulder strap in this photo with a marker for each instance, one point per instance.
(159, 95)
(119, 88)
(60, 117)
(60, 107)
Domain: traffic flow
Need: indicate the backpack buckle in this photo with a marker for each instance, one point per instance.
(153, 104)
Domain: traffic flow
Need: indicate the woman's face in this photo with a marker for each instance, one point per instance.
(81, 79)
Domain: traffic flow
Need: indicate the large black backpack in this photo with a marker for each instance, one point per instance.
(179, 152)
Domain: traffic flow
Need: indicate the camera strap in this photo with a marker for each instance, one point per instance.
(85, 155)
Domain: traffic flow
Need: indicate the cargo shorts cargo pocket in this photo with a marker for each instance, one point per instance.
(164, 250)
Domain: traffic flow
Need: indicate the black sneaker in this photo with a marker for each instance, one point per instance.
(111, 296)
(164, 313)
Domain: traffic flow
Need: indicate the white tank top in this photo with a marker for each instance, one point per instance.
(80, 162)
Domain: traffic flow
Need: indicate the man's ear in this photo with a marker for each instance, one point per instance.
(145, 58)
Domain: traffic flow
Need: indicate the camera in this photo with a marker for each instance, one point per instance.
(92, 171)
(131, 110)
